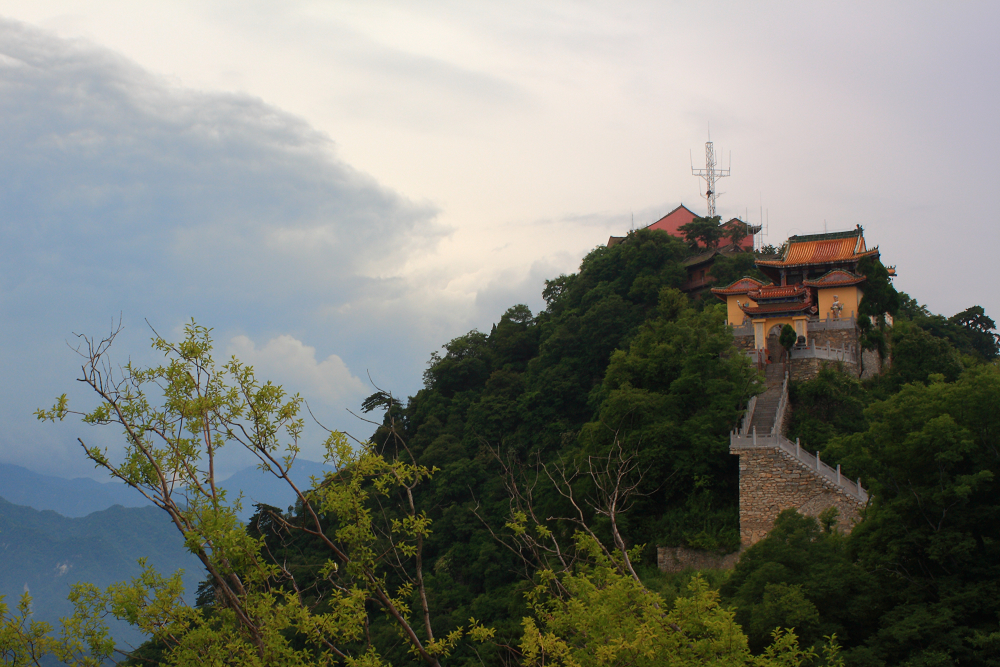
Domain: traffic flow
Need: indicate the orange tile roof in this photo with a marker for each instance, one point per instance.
(773, 308)
(741, 286)
(835, 278)
(777, 292)
(819, 252)
(823, 249)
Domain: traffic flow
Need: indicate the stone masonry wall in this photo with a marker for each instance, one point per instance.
(834, 337)
(678, 559)
(804, 369)
(772, 481)
(808, 369)
(744, 342)
(871, 364)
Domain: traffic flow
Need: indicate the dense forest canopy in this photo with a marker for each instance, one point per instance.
(492, 494)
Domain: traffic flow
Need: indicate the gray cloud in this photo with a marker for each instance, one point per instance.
(123, 194)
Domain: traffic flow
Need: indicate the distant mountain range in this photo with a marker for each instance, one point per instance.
(69, 497)
(81, 496)
(44, 553)
(259, 487)
(55, 532)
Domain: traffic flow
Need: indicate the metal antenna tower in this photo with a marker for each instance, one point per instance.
(711, 173)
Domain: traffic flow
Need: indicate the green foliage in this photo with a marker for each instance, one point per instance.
(931, 536)
(917, 354)
(257, 614)
(599, 616)
(970, 332)
(826, 406)
(978, 330)
(801, 576)
(547, 459)
(259, 607)
(880, 299)
(728, 268)
(736, 232)
(705, 232)
(83, 640)
(769, 251)
(673, 397)
(787, 337)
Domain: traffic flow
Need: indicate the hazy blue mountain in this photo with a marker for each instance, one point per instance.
(259, 487)
(69, 497)
(51, 536)
(81, 496)
(45, 553)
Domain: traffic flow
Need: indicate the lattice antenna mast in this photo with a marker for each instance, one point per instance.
(711, 174)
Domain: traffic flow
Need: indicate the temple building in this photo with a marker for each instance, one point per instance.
(672, 222)
(698, 267)
(815, 279)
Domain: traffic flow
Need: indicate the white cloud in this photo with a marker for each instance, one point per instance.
(536, 129)
(293, 364)
(126, 194)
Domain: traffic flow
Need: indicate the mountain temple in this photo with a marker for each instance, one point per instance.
(814, 279)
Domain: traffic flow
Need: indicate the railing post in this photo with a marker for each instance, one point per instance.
(838, 474)
(817, 460)
(798, 449)
(754, 436)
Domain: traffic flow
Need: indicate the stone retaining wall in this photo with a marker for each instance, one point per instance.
(808, 369)
(678, 559)
(871, 364)
(836, 338)
(771, 481)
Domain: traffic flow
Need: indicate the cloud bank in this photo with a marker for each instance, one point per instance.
(291, 363)
(123, 194)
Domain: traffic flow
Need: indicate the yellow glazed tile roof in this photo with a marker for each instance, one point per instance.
(821, 252)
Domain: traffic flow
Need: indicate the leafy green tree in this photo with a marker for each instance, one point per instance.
(979, 330)
(83, 640)
(769, 251)
(829, 405)
(366, 565)
(735, 231)
(801, 576)
(259, 614)
(728, 268)
(880, 299)
(971, 332)
(706, 232)
(673, 397)
(931, 537)
(599, 616)
(787, 337)
(917, 354)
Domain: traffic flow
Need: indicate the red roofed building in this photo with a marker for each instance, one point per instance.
(672, 222)
(698, 266)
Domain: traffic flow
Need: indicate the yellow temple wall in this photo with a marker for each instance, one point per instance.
(734, 315)
(777, 322)
(850, 296)
(761, 334)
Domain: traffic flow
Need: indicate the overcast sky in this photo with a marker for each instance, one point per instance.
(340, 188)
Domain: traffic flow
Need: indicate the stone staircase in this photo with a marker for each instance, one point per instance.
(777, 474)
(766, 407)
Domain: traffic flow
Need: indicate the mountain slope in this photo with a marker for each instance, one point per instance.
(69, 497)
(45, 553)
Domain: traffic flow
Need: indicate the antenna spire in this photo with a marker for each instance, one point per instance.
(711, 173)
